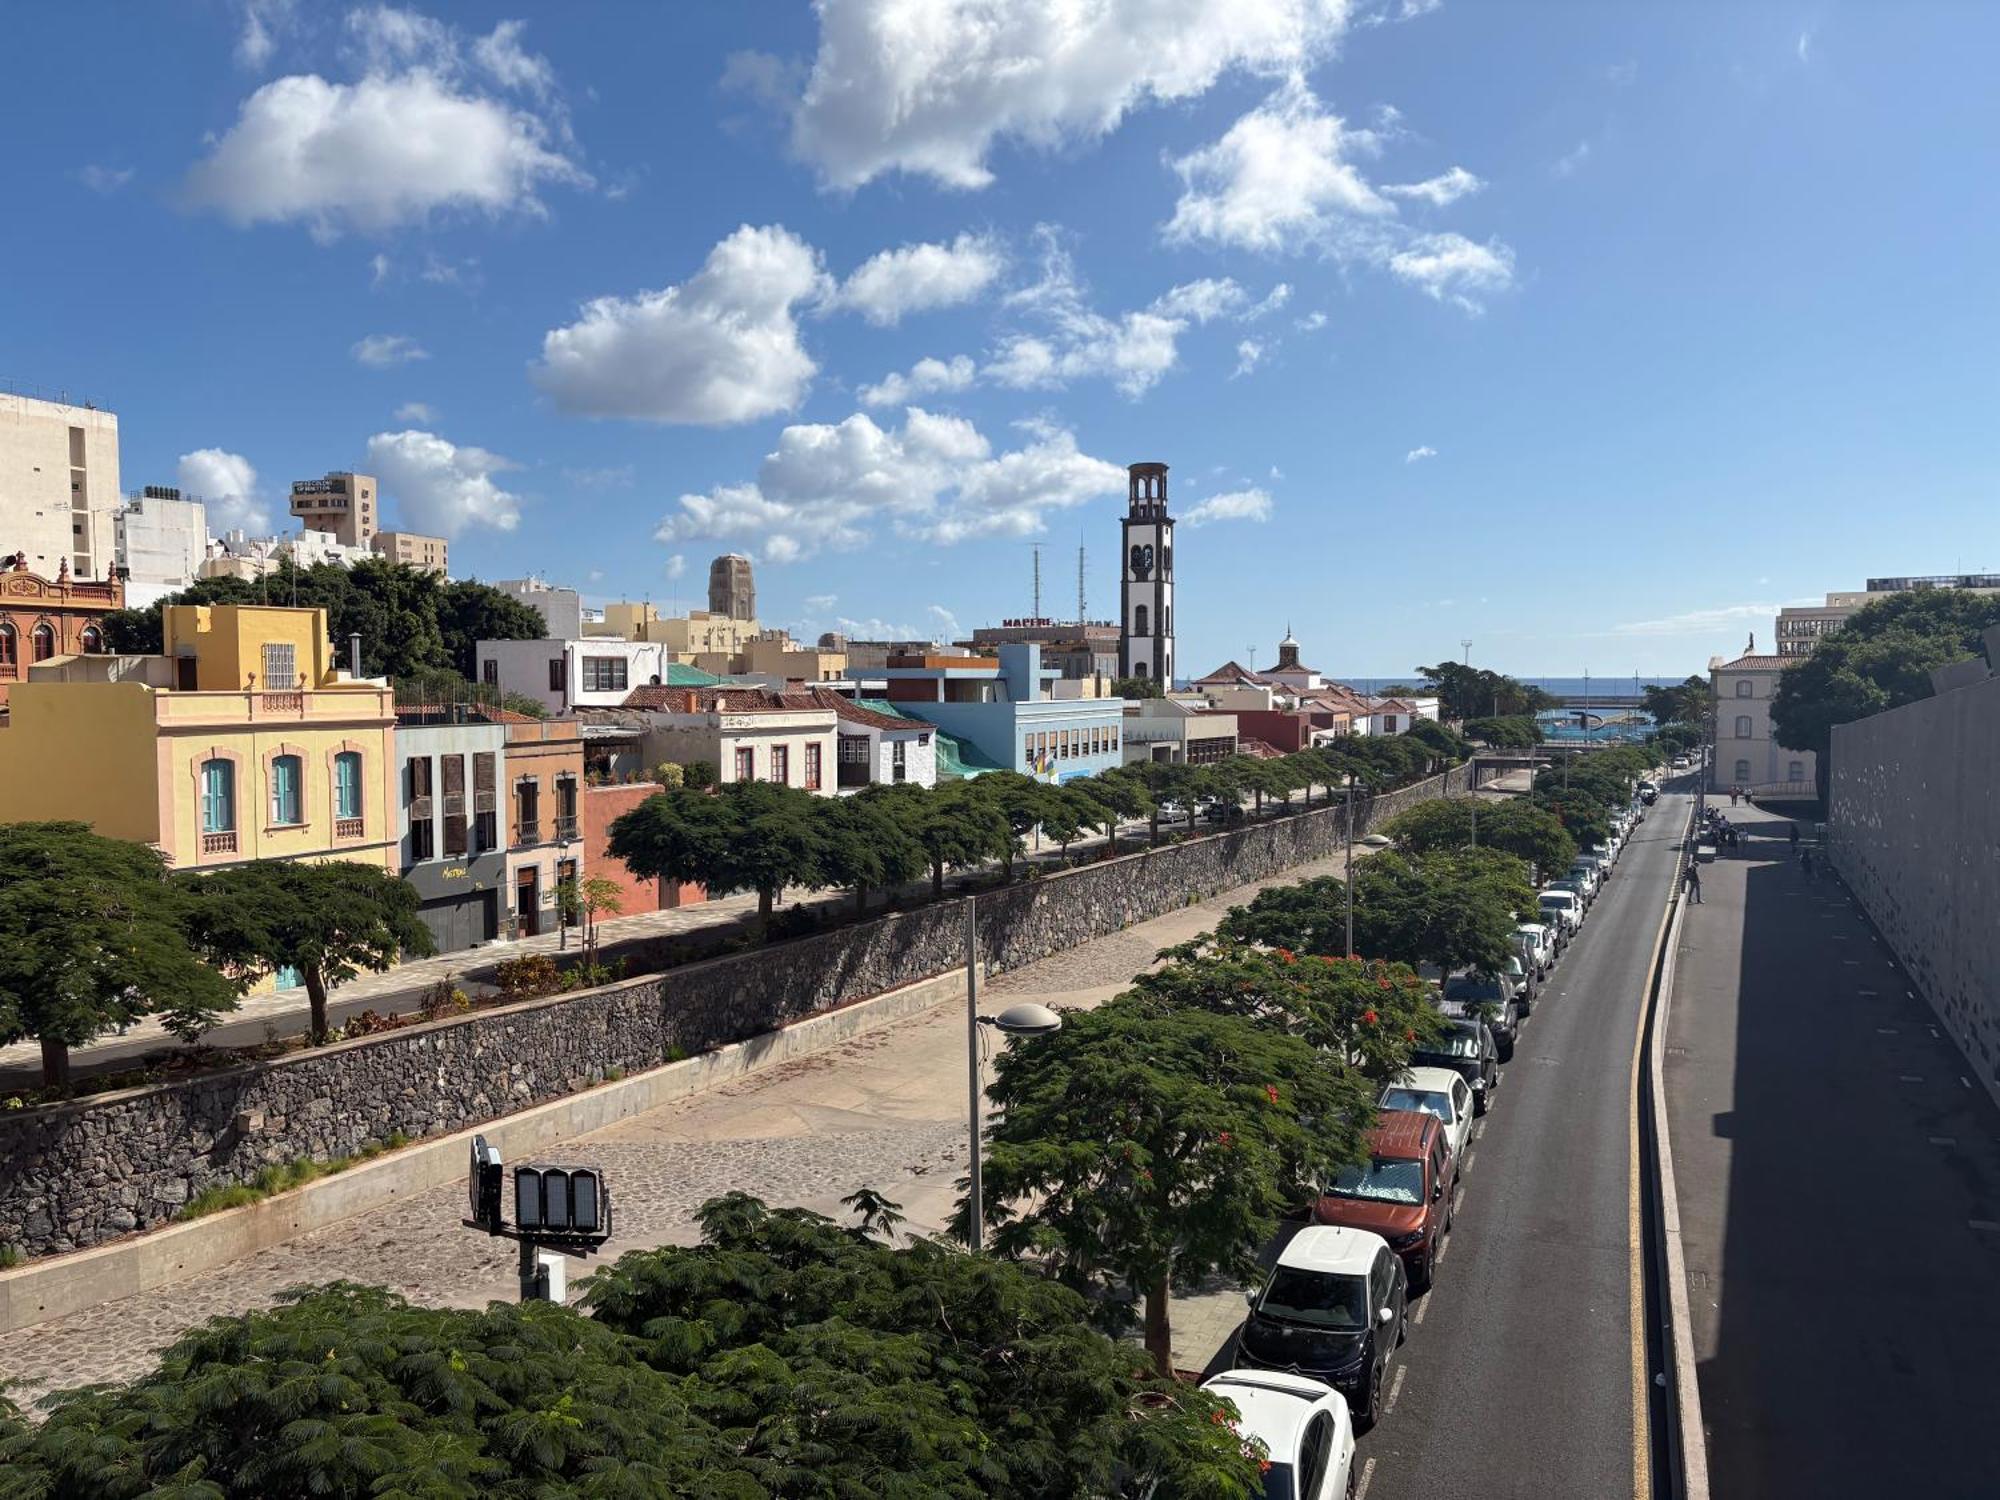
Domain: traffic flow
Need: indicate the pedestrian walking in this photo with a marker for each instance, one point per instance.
(1733, 791)
(1795, 838)
(1806, 862)
(1691, 878)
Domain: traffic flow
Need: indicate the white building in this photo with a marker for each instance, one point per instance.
(876, 747)
(598, 671)
(1746, 753)
(59, 495)
(162, 541)
(561, 608)
(237, 555)
(747, 734)
(1146, 590)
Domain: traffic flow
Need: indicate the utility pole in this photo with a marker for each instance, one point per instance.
(974, 1225)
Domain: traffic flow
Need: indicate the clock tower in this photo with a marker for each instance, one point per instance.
(1146, 597)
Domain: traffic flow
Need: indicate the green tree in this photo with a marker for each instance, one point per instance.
(1515, 825)
(1455, 909)
(1510, 732)
(1039, 1404)
(1360, 1013)
(93, 935)
(583, 900)
(1686, 702)
(1880, 659)
(1466, 692)
(329, 921)
(868, 845)
(1123, 796)
(1442, 746)
(1142, 1148)
(1019, 800)
(1580, 811)
(468, 612)
(1137, 687)
(750, 836)
(955, 827)
(1266, 778)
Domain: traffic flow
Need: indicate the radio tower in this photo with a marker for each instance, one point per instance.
(1080, 616)
(1038, 582)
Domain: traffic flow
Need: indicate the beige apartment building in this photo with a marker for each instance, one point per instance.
(428, 553)
(59, 494)
(343, 505)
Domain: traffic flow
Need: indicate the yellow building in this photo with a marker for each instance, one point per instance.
(242, 740)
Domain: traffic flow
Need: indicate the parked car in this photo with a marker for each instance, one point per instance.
(1537, 944)
(1526, 982)
(1599, 865)
(1437, 1091)
(1562, 906)
(1579, 886)
(1648, 793)
(1305, 1428)
(1402, 1192)
(1468, 1049)
(1490, 998)
(1333, 1309)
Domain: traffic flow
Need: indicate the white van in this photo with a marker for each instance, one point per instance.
(1562, 907)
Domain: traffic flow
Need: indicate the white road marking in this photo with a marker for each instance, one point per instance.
(1470, 1157)
(1964, 1081)
(1911, 1077)
(1944, 1140)
(1367, 1477)
(1395, 1389)
(1985, 1226)
(1422, 1308)
(1885, 1031)
(1479, 1130)
(1443, 1248)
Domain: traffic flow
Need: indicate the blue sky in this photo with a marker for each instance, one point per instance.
(1591, 333)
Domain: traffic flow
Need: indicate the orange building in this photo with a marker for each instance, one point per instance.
(42, 618)
(544, 788)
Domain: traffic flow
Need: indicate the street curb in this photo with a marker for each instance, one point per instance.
(1689, 1443)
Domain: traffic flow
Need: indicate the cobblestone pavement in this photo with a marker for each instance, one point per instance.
(885, 1110)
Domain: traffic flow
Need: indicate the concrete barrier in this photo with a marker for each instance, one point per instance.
(58, 1285)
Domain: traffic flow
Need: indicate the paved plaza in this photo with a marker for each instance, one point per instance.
(885, 1110)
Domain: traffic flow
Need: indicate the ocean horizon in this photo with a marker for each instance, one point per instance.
(1562, 687)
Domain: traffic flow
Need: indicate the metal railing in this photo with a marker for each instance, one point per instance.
(530, 833)
(565, 828)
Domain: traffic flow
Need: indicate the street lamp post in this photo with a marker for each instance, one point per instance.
(1026, 1019)
(1350, 864)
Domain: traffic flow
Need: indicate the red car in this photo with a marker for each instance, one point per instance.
(1403, 1192)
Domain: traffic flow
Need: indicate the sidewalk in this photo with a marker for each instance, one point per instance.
(1839, 1190)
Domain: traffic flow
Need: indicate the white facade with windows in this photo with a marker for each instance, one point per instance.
(1747, 754)
(1146, 591)
(594, 672)
(59, 494)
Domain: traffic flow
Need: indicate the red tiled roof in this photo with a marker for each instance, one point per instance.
(1757, 664)
(1258, 750)
(853, 712)
(1230, 671)
(705, 700)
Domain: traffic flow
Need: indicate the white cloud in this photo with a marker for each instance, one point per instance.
(1567, 164)
(943, 621)
(1251, 504)
(262, 19)
(1452, 266)
(412, 137)
(926, 376)
(1805, 46)
(1418, 455)
(1312, 322)
(380, 351)
(1278, 296)
(677, 565)
(416, 411)
(500, 54)
(379, 266)
(440, 487)
(1446, 187)
(917, 278)
(106, 180)
(1696, 621)
(1072, 341)
(937, 479)
(1277, 180)
(821, 603)
(1390, 11)
(929, 89)
(610, 477)
(438, 272)
(227, 484)
(1249, 354)
(722, 347)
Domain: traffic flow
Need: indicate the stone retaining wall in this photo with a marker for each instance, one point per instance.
(75, 1174)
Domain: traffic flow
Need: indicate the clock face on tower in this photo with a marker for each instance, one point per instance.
(1142, 562)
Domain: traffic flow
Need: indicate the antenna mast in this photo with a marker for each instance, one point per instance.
(1080, 615)
(1038, 580)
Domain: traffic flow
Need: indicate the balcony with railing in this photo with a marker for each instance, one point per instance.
(565, 827)
(348, 828)
(183, 708)
(530, 833)
(223, 842)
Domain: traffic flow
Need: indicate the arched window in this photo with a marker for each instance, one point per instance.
(1742, 687)
(1166, 619)
(10, 657)
(1743, 726)
(93, 641)
(347, 784)
(1138, 669)
(1742, 777)
(218, 797)
(1139, 621)
(286, 774)
(45, 641)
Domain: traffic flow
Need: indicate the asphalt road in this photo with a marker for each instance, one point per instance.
(1839, 1182)
(1518, 1381)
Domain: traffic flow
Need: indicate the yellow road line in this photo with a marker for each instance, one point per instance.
(1642, 1447)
